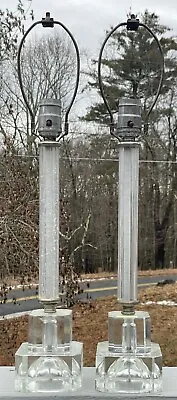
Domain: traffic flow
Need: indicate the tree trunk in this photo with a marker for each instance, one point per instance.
(161, 226)
(160, 248)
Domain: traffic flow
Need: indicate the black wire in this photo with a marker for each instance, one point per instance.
(19, 67)
(100, 77)
(162, 68)
(77, 72)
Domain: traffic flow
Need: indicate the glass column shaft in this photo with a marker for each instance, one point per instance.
(49, 221)
(128, 221)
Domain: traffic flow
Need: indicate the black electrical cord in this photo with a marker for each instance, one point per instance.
(162, 68)
(49, 22)
(128, 25)
(100, 77)
(19, 68)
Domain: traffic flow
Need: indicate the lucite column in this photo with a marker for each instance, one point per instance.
(128, 221)
(49, 222)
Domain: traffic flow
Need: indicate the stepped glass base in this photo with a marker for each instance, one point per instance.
(57, 372)
(128, 373)
(129, 362)
(50, 361)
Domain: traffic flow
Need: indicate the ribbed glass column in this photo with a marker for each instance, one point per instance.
(49, 221)
(128, 221)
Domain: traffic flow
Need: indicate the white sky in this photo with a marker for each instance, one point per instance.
(88, 19)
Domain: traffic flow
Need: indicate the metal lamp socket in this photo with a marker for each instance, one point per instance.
(129, 119)
(49, 119)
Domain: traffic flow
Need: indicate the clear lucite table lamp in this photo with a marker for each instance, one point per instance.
(50, 361)
(128, 362)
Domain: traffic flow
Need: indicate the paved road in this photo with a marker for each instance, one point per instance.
(27, 300)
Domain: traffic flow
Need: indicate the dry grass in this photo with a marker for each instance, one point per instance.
(90, 326)
(150, 272)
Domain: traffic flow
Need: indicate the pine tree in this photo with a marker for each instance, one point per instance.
(131, 67)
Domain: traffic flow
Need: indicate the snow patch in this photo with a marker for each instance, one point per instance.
(15, 315)
(161, 303)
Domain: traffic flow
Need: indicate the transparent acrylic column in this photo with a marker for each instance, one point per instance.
(49, 221)
(128, 221)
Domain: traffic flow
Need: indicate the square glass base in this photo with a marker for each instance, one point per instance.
(118, 372)
(50, 361)
(58, 371)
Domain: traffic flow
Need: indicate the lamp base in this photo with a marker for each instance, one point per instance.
(50, 361)
(129, 362)
(37, 371)
(128, 373)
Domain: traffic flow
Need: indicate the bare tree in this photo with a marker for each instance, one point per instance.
(48, 66)
(12, 26)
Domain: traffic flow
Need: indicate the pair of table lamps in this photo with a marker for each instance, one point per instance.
(51, 361)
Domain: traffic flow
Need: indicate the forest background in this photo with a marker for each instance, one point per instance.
(89, 154)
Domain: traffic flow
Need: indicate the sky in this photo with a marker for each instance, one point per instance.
(89, 19)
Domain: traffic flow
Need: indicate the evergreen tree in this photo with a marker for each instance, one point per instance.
(131, 66)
